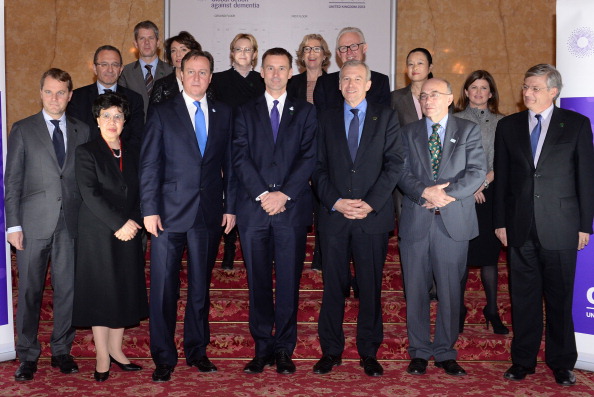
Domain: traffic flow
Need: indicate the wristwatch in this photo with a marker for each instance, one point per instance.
(486, 184)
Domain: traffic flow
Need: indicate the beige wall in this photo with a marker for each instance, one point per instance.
(505, 37)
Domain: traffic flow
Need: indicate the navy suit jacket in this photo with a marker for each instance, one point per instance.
(81, 107)
(175, 180)
(327, 94)
(263, 165)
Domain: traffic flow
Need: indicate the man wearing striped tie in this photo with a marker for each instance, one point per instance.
(445, 164)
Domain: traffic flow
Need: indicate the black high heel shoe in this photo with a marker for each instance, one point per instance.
(125, 367)
(101, 376)
(463, 314)
(498, 327)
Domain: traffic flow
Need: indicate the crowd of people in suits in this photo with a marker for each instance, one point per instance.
(187, 155)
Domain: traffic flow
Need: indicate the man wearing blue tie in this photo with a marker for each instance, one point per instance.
(185, 168)
(274, 154)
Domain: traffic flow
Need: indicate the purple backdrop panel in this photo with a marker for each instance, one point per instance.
(4, 267)
(583, 292)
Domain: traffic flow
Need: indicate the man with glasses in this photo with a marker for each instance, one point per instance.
(544, 163)
(350, 46)
(107, 65)
(445, 165)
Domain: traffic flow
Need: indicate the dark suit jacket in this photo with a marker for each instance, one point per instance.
(175, 180)
(132, 77)
(35, 186)
(233, 89)
(165, 88)
(327, 95)
(81, 107)
(558, 192)
(297, 87)
(403, 104)
(373, 175)
(463, 165)
(263, 165)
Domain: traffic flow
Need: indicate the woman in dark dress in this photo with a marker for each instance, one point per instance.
(235, 87)
(313, 59)
(479, 102)
(110, 288)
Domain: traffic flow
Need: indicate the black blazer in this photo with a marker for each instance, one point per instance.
(165, 88)
(557, 192)
(297, 86)
(81, 107)
(403, 104)
(373, 175)
(327, 95)
(233, 89)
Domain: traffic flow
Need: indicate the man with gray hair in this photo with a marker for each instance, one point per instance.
(544, 163)
(350, 45)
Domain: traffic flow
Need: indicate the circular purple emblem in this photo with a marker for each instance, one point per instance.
(581, 42)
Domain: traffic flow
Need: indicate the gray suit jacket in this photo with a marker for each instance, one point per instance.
(35, 185)
(133, 78)
(463, 165)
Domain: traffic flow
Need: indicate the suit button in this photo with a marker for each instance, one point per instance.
(61, 176)
(537, 195)
(353, 171)
(59, 198)
(271, 185)
(536, 175)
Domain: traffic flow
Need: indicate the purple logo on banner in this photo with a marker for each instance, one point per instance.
(583, 292)
(3, 265)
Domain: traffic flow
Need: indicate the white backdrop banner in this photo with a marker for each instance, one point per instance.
(7, 351)
(575, 61)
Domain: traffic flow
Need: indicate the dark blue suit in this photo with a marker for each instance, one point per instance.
(186, 191)
(262, 165)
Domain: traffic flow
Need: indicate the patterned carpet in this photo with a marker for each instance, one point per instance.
(483, 354)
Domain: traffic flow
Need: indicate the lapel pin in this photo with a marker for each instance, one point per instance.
(562, 125)
(453, 140)
(291, 110)
(374, 118)
(214, 110)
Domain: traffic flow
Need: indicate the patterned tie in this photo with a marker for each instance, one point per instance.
(353, 134)
(200, 127)
(274, 120)
(435, 149)
(58, 141)
(149, 80)
(535, 135)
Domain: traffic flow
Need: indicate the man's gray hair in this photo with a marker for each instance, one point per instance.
(355, 63)
(350, 29)
(553, 76)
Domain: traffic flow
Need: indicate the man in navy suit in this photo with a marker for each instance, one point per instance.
(185, 169)
(274, 154)
(544, 163)
(107, 65)
(360, 159)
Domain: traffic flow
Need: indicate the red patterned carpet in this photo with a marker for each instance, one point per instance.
(484, 355)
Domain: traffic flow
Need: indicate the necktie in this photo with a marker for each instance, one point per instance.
(107, 91)
(200, 127)
(435, 149)
(535, 135)
(149, 79)
(274, 120)
(58, 141)
(353, 134)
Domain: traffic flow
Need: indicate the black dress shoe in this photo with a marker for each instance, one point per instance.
(101, 376)
(66, 364)
(371, 366)
(162, 373)
(125, 367)
(257, 364)
(25, 371)
(564, 377)
(417, 366)
(518, 372)
(203, 364)
(451, 367)
(326, 363)
(284, 364)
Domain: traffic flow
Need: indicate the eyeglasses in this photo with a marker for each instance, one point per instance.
(314, 49)
(246, 50)
(352, 47)
(432, 95)
(117, 118)
(536, 90)
(106, 65)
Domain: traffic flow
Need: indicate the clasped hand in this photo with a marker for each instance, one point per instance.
(128, 231)
(274, 202)
(353, 208)
(436, 197)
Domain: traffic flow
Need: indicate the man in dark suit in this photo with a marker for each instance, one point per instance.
(141, 75)
(42, 202)
(350, 46)
(360, 159)
(544, 163)
(445, 164)
(185, 168)
(274, 154)
(107, 65)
